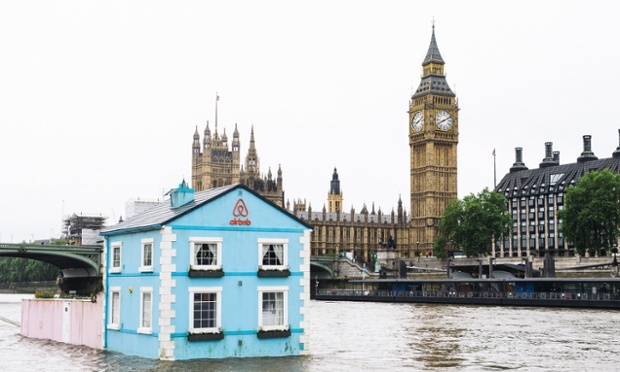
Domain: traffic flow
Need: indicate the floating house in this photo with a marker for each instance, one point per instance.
(211, 274)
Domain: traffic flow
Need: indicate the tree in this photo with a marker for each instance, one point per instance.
(475, 222)
(439, 247)
(591, 217)
(18, 270)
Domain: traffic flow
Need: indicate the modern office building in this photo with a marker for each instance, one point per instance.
(536, 195)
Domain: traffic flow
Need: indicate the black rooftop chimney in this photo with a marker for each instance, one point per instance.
(518, 164)
(616, 153)
(587, 153)
(548, 161)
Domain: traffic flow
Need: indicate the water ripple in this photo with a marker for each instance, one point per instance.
(347, 336)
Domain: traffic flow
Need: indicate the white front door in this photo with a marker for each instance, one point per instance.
(66, 322)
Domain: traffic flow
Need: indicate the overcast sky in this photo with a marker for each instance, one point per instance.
(99, 100)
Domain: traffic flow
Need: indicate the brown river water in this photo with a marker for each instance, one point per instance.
(353, 336)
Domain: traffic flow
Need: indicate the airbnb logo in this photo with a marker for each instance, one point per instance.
(239, 211)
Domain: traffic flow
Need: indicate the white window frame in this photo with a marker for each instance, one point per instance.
(113, 247)
(218, 309)
(205, 240)
(266, 241)
(278, 327)
(115, 310)
(146, 327)
(143, 243)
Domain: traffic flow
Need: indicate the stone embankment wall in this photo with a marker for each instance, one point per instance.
(352, 270)
(72, 321)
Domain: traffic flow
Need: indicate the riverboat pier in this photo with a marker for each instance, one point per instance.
(542, 292)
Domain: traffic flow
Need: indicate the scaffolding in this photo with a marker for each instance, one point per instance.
(75, 226)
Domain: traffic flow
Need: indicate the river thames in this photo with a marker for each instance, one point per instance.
(353, 336)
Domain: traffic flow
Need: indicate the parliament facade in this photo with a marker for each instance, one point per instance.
(214, 164)
(432, 129)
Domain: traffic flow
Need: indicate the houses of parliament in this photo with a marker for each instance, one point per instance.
(432, 128)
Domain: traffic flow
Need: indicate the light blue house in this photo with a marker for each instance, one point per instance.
(213, 274)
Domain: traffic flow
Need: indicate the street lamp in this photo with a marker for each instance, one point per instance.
(363, 278)
(316, 285)
(417, 248)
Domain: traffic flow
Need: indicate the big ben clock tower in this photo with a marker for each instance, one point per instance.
(433, 138)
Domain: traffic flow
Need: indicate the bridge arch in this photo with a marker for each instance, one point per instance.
(83, 261)
(320, 266)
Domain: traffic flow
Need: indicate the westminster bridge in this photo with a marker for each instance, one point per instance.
(80, 266)
(86, 261)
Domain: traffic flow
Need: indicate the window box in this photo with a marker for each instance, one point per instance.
(274, 334)
(263, 273)
(205, 336)
(217, 273)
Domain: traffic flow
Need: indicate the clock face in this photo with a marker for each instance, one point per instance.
(417, 121)
(444, 120)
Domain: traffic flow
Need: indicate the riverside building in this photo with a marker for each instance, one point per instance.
(211, 274)
(536, 195)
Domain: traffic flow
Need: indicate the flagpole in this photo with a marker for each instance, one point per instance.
(494, 171)
(217, 98)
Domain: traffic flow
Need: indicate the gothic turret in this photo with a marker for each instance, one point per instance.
(335, 184)
(207, 139)
(280, 186)
(252, 165)
(196, 143)
(235, 142)
(334, 198)
(236, 156)
(224, 139)
(196, 159)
